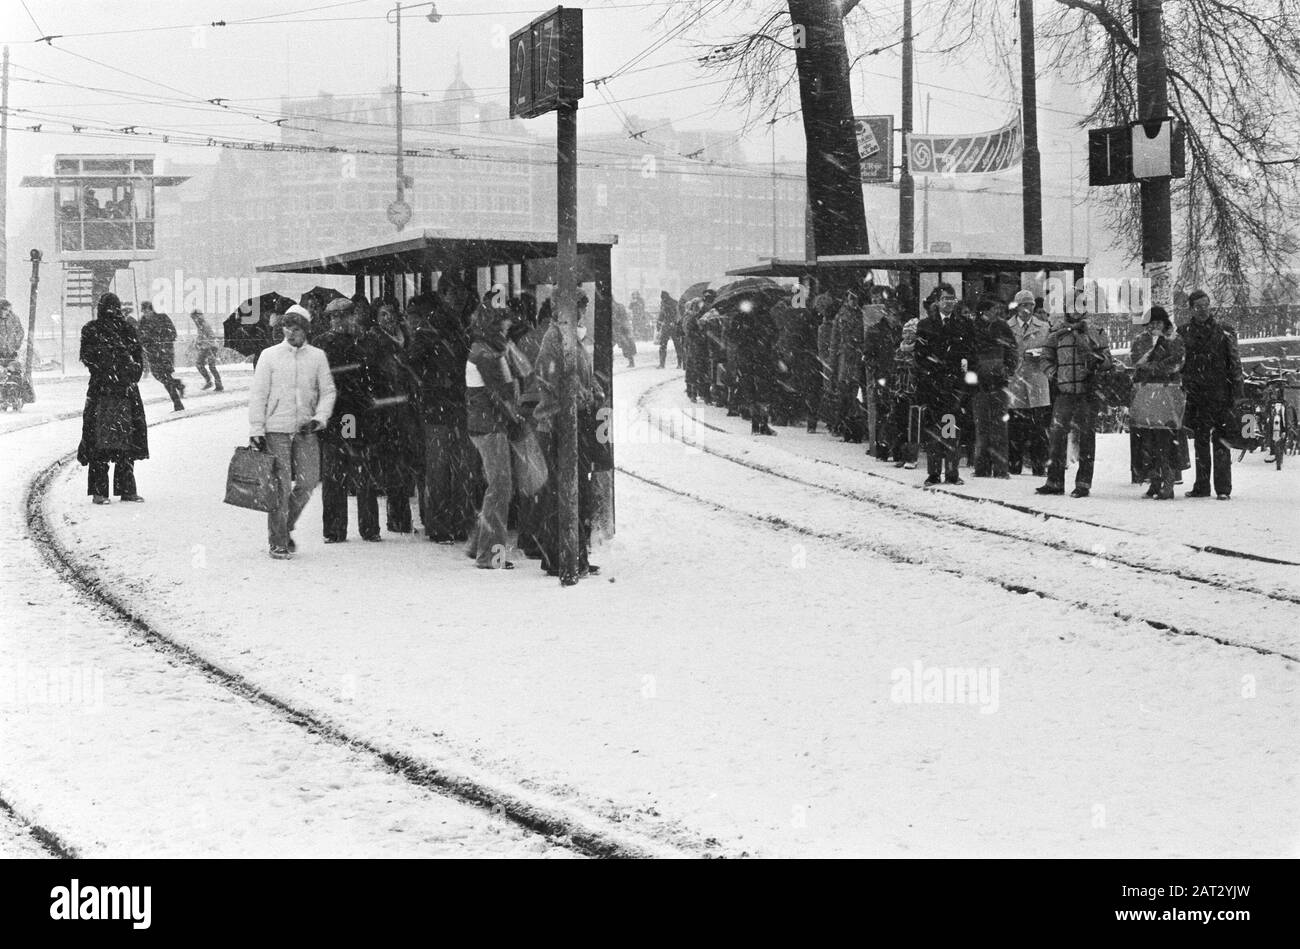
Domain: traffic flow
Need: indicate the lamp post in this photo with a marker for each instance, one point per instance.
(399, 212)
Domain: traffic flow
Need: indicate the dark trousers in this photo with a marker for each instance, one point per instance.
(1207, 424)
(548, 511)
(208, 362)
(1073, 413)
(679, 351)
(991, 436)
(336, 474)
(943, 438)
(164, 374)
(123, 478)
(1158, 454)
(445, 489)
(1027, 439)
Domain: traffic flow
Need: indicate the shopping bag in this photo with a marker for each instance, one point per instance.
(253, 481)
(528, 464)
(112, 423)
(1157, 405)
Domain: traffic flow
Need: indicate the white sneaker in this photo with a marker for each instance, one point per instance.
(910, 466)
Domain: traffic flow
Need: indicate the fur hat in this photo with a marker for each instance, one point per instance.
(109, 306)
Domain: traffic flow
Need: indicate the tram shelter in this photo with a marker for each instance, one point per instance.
(519, 262)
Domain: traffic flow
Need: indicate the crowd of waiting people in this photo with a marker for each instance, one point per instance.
(1007, 387)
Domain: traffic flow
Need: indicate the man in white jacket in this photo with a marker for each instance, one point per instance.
(291, 399)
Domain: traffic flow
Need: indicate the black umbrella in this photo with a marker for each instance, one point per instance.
(248, 329)
(326, 295)
(693, 291)
(748, 287)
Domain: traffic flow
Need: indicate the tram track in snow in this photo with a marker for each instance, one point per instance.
(562, 825)
(1267, 609)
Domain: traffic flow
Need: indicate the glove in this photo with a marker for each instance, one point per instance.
(258, 442)
(310, 427)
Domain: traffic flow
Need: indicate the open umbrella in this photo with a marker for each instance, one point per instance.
(326, 295)
(748, 287)
(692, 292)
(248, 329)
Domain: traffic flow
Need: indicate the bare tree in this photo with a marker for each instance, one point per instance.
(1234, 84)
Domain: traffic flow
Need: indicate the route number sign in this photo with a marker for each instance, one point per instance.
(546, 63)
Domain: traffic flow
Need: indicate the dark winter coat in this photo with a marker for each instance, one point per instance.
(669, 318)
(352, 399)
(941, 347)
(847, 339)
(391, 418)
(437, 359)
(110, 349)
(996, 355)
(879, 346)
(623, 335)
(158, 337)
(1165, 362)
(1212, 371)
(1075, 354)
(754, 335)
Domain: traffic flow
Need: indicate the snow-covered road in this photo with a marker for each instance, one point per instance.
(119, 749)
(775, 665)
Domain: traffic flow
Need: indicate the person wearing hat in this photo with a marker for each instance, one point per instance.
(1212, 380)
(943, 349)
(113, 427)
(1028, 394)
(1157, 356)
(205, 351)
(344, 439)
(290, 401)
(904, 431)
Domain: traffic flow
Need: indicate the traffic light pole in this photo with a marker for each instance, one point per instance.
(566, 292)
(1153, 103)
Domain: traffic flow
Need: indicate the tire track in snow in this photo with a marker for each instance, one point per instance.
(899, 553)
(1009, 533)
(565, 826)
(47, 840)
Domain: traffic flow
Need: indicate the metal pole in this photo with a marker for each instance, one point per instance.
(401, 171)
(1153, 103)
(31, 311)
(925, 191)
(906, 188)
(1031, 174)
(566, 208)
(4, 176)
(773, 124)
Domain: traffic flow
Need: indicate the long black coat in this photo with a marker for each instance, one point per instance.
(396, 446)
(110, 349)
(1212, 371)
(158, 337)
(437, 358)
(754, 333)
(350, 424)
(940, 348)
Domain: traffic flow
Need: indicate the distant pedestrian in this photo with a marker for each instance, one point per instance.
(291, 400)
(1029, 399)
(1076, 355)
(11, 332)
(205, 352)
(1212, 379)
(158, 337)
(670, 328)
(623, 334)
(113, 427)
(996, 357)
(1157, 356)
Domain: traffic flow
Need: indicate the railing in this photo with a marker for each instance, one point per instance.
(1250, 322)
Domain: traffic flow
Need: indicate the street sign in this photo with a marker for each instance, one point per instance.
(875, 146)
(399, 214)
(546, 63)
(1124, 154)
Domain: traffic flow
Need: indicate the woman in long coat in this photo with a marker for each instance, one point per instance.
(113, 427)
(396, 450)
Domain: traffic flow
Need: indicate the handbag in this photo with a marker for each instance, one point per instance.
(1157, 405)
(253, 480)
(527, 463)
(112, 423)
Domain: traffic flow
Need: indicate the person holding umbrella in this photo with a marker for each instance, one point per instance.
(113, 427)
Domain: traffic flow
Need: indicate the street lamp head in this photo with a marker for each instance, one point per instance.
(434, 16)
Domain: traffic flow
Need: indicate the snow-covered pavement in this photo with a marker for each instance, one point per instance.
(121, 750)
(771, 664)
